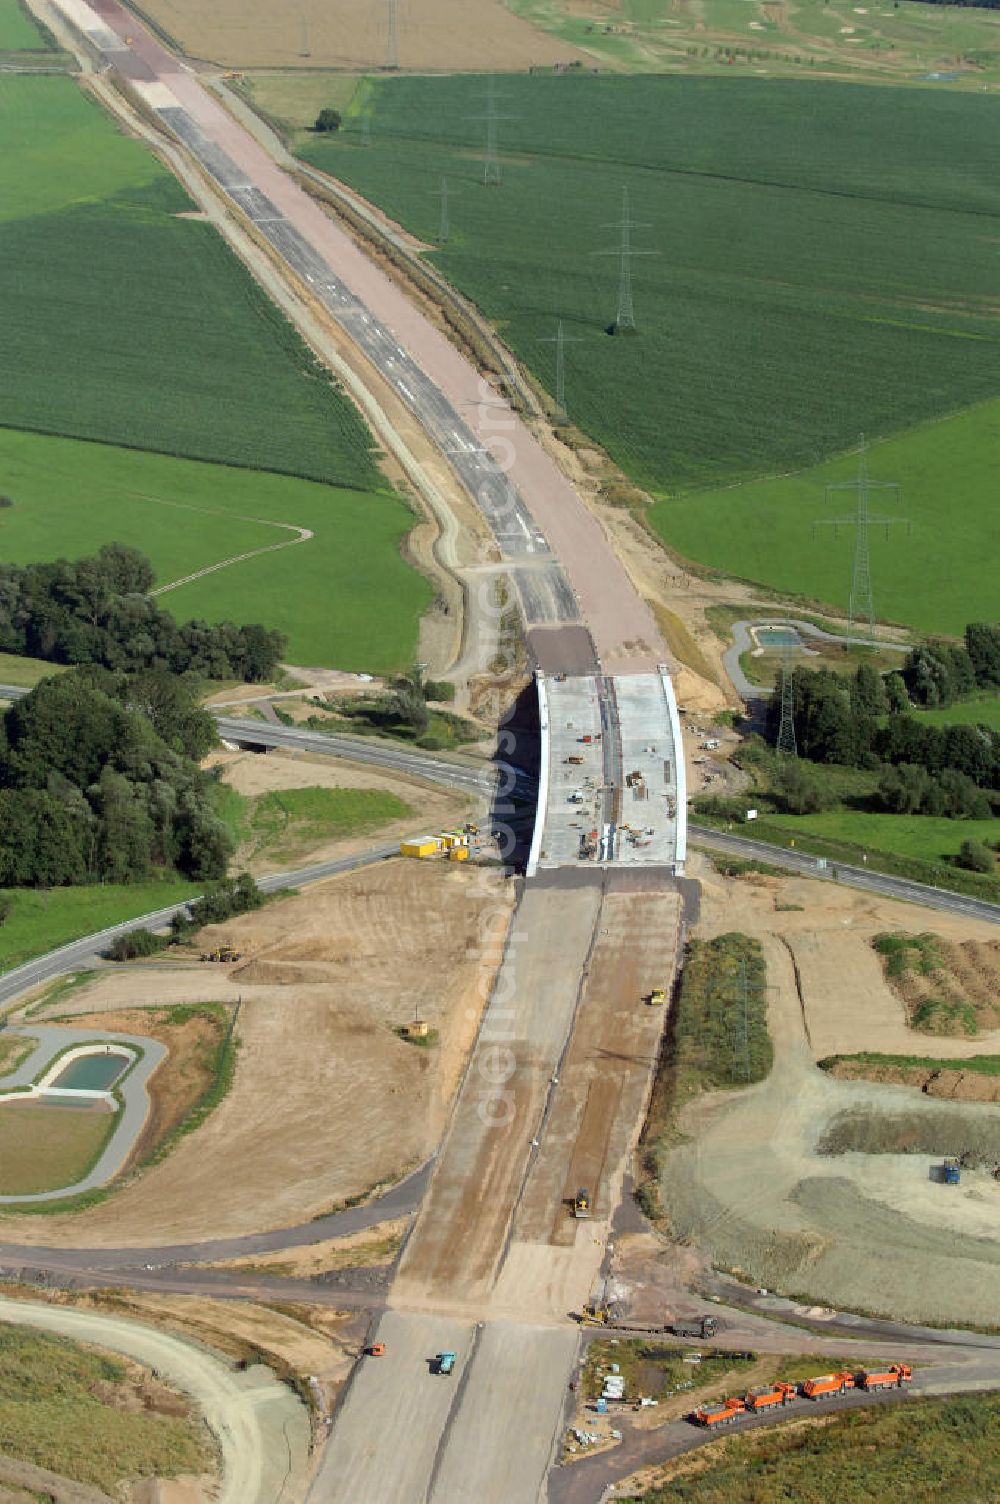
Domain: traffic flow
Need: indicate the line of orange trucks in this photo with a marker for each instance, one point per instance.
(827, 1386)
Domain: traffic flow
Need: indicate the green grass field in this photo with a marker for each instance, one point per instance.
(25, 672)
(931, 576)
(345, 597)
(79, 1413)
(18, 33)
(48, 1148)
(41, 920)
(922, 1450)
(922, 836)
(817, 244)
(984, 712)
(286, 825)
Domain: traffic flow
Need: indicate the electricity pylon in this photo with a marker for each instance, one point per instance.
(861, 605)
(625, 321)
(787, 744)
(560, 339)
(392, 56)
(492, 166)
(444, 193)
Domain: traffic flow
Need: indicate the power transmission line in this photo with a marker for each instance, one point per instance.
(625, 251)
(786, 731)
(560, 339)
(862, 604)
(392, 58)
(492, 167)
(444, 193)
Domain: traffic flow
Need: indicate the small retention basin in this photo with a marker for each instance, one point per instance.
(92, 1072)
(777, 637)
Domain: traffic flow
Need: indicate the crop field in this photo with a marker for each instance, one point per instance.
(18, 33)
(431, 34)
(40, 920)
(831, 36)
(926, 570)
(43, 1148)
(125, 321)
(345, 597)
(816, 244)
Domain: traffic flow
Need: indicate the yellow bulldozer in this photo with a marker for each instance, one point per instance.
(222, 953)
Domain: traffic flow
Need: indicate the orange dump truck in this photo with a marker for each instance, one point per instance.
(778, 1393)
(893, 1377)
(827, 1385)
(722, 1414)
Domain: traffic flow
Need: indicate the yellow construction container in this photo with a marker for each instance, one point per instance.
(420, 846)
(458, 854)
(450, 839)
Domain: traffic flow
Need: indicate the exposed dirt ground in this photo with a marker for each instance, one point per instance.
(857, 1230)
(252, 773)
(953, 1085)
(432, 35)
(322, 1081)
(375, 1245)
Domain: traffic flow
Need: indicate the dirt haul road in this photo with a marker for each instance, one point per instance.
(262, 1430)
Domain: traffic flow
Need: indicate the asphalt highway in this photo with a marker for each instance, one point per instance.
(840, 872)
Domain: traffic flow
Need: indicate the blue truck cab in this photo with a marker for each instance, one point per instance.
(444, 1363)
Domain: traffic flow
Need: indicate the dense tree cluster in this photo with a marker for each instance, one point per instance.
(98, 783)
(938, 673)
(862, 722)
(98, 610)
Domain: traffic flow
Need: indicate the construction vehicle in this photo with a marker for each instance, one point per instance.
(222, 953)
(376, 1350)
(596, 1314)
(778, 1393)
(703, 1327)
(581, 1203)
(951, 1172)
(827, 1386)
(444, 1363)
(575, 760)
(893, 1377)
(657, 998)
(721, 1414)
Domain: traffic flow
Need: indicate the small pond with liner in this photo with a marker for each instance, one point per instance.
(777, 637)
(96, 1072)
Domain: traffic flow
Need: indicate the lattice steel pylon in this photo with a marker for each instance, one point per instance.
(445, 194)
(492, 166)
(392, 55)
(861, 604)
(625, 320)
(560, 339)
(786, 744)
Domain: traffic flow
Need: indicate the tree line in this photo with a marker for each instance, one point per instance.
(99, 782)
(862, 722)
(98, 610)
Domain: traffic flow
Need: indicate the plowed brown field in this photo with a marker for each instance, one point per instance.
(441, 35)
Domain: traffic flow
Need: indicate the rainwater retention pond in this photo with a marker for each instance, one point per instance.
(777, 637)
(97, 1072)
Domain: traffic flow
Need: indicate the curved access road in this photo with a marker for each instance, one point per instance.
(743, 643)
(261, 1429)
